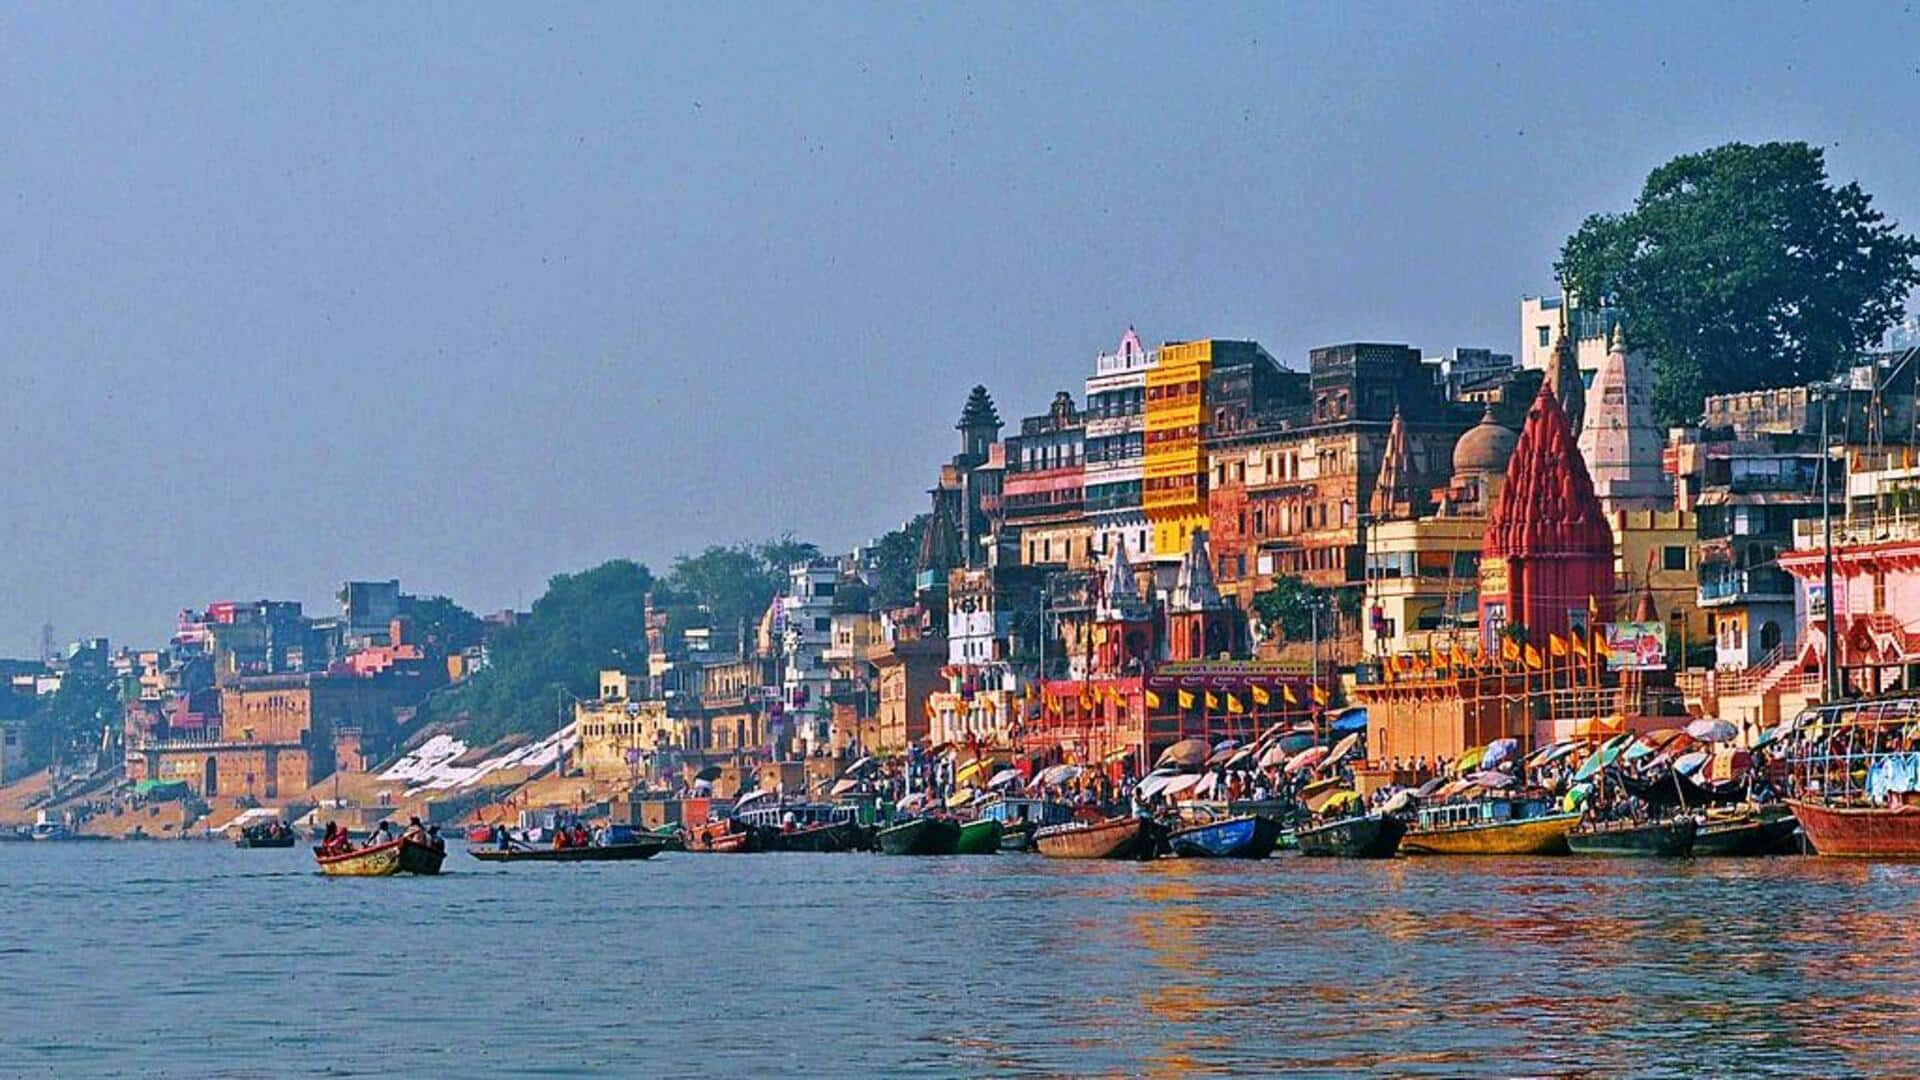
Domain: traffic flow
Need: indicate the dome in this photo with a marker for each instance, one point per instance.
(1486, 448)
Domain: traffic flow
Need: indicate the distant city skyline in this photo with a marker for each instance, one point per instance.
(470, 298)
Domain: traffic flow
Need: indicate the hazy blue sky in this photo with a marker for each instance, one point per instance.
(471, 298)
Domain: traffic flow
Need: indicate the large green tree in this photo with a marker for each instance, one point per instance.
(583, 623)
(1289, 606)
(737, 582)
(894, 558)
(1743, 267)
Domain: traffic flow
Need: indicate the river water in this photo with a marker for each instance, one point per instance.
(177, 959)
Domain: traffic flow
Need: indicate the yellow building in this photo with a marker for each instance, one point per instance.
(1173, 489)
(1660, 543)
(1423, 578)
(618, 734)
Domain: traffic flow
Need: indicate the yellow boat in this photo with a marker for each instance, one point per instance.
(1490, 826)
(383, 860)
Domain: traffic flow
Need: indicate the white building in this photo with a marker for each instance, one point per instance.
(806, 637)
(1115, 443)
(1540, 332)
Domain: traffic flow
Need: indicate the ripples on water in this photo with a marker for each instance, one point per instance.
(177, 959)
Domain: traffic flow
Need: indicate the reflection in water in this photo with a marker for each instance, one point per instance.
(159, 958)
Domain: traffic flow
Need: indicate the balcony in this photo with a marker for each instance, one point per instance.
(1857, 530)
(1759, 583)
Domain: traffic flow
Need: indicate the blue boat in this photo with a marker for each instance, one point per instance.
(1248, 837)
(1023, 817)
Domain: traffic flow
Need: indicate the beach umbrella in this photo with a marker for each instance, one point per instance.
(1400, 801)
(1469, 760)
(1225, 744)
(1205, 787)
(1188, 753)
(750, 799)
(1221, 758)
(961, 798)
(1005, 778)
(1055, 774)
(1773, 734)
(1349, 720)
(1498, 751)
(711, 772)
(1179, 785)
(1341, 800)
(1576, 797)
(971, 771)
(1274, 756)
(1306, 759)
(1152, 785)
(1240, 757)
(1342, 748)
(1601, 759)
(1427, 789)
(1688, 764)
(912, 802)
(1297, 741)
(862, 767)
(1333, 795)
(1711, 730)
(843, 786)
(1492, 780)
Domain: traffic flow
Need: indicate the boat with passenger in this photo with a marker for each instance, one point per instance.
(616, 843)
(1490, 825)
(401, 856)
(1855, 774)
(812, 827)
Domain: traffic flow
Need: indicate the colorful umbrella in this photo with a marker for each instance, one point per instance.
(1711, 730)
(1342, 748)
(1188, 753)
(1005, 778)
(1306, 759)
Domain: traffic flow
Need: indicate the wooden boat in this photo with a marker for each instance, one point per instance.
(1669, 838)
(980, 836)
(1860, 831)
(256, 836)
(823, 837)
(1501, 825)
(920, 836)
(646, 847)
(402, 856)
(1114, 838)
(1368, 836)
(725, 836)
(1021, 817)
(1766, 830)
(1247, 837)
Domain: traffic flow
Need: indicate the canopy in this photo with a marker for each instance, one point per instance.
(1342, 748)
(1306, 759)
(149, 789)
(1240, 756)
(1688, 764)
(843, 786)
(1773, 734)
(1556, 752)
(1191, 753)
(1294, 742)
(862, 767)
(1005, 778)
(962, 797)
(1711, 730)
(1492, 779)
(1427, 789)
(1349, 720)
(1497, 751)
(1221, 757)
(1180, 785)
(1225, 744)
(1469, 760)
(912, 802)
(1056, 774)
(1152, 785)
(1275, 755)
(1399, 801)
(710, 773)
(1600, 760)
(971, 771)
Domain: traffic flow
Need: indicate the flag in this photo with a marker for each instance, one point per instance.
(1533, 656)
(1087, 701)
(1212, 702)
(1579, 645)
(1260, 695)
(1287, 693)
(1186, 699)
(1153, 700)
(929, 708)
(1438, 659)
(1234, 706)
(1509, 651)
(1556, 645)
(1118, 701)
(1320, 695)
(1460, 659)
(990, 706)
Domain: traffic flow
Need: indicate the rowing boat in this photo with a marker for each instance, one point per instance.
(1114, 838)
(979, 837)
(646, 847)
(1247, 837)
(920, 836)
(1369, 836)
(402, 856)
(1672, 838)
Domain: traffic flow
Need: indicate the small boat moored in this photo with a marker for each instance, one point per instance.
(920, 836)
(1114, 838)
(1498, 825)
(1369, 836)
(1667, 838)
(1249, 836)
(981, 836)
(1762, 830)
(642, 846)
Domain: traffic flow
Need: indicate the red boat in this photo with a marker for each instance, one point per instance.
(1860, 831)
(724, 836)
(1115, 838)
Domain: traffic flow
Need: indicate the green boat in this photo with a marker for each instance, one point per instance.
(980, 837)
(1672, 838)
(919, 836)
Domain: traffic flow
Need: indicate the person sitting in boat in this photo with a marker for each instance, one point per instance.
(416, 831)
(562, 839)
(502, 839)
(580, 838)
(335, 841)
(382, 834)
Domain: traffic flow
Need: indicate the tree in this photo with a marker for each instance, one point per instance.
(1290, 605)
(1742, 267)
(441, 621)
(68, 721)
(737, 582)
(895, 556)
(583, 622)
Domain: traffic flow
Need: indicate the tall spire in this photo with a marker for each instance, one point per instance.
(1120, 599)
(1563, 376)
(1620, 443)
(1194, 589)
(1395, 494)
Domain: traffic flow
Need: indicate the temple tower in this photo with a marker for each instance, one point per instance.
(1199, 623)
(1396, 494)
(1547, 558)
(1123, 632)
(1620, 443)
(1563, 377)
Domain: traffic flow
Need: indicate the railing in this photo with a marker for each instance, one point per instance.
(1756, 581)
(1856, 530)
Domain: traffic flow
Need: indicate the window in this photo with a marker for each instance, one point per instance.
(824, 588)
(1546, 335)
(1673, 557)
(823, 623)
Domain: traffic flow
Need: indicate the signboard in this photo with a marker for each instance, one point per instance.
(1636, 646)
(1493, 577)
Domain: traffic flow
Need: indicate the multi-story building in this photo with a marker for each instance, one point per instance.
(1115, 436)
(1044, 498)
(1541, 322)
(623, 733)
(907, 667)
(805, 630)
